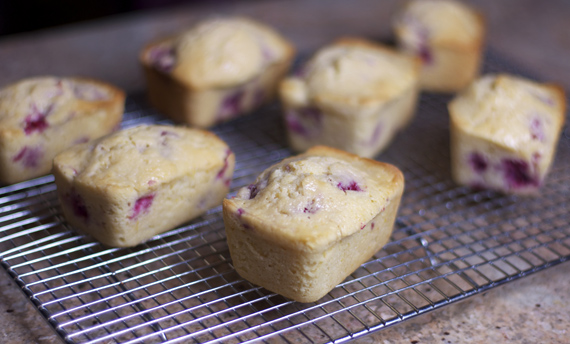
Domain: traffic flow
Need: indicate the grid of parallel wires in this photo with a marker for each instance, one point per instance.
(449, 242)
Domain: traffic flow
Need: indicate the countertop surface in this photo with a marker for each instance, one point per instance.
(536, 36)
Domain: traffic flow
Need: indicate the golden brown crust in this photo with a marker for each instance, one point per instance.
(111, 175)
(334, 152)
(454, 55)
(148, 68)
(271, 230)
(411, 68)
(118, 94)
(110, 104)
(495, 121)
(303, 269)
(464, 46)
(353, 41)
(453, 44)
(144, 61)
(77, 121)
(201, 105)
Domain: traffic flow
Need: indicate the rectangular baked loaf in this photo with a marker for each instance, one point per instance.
(311, 220)
(129, 186)
(449, 38)
(353, 94)
(215, 71)
(504, 131)
(42, 116)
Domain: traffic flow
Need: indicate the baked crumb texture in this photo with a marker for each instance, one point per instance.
(311, 220)
(42, 116)
(217, 70)
(504, 133)
(448, 36)
(353, 95)
(129, 186)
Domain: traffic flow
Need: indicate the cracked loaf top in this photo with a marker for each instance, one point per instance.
(515, 113)
(32, 105)
(441, 22)
(353, 72)
(315, 199)
(221, 52)
(166, 152)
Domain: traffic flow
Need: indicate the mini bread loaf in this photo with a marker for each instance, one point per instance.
(448, 36)
(42, 116)
(504, 133)
(217, 70)
(353, 95)
(311, 220)
(133, 184)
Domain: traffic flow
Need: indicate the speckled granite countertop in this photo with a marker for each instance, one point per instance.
(535, 309)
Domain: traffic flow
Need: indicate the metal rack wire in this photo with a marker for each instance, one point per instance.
(449, 242)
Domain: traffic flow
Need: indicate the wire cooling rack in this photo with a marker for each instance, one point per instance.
(449, 242)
